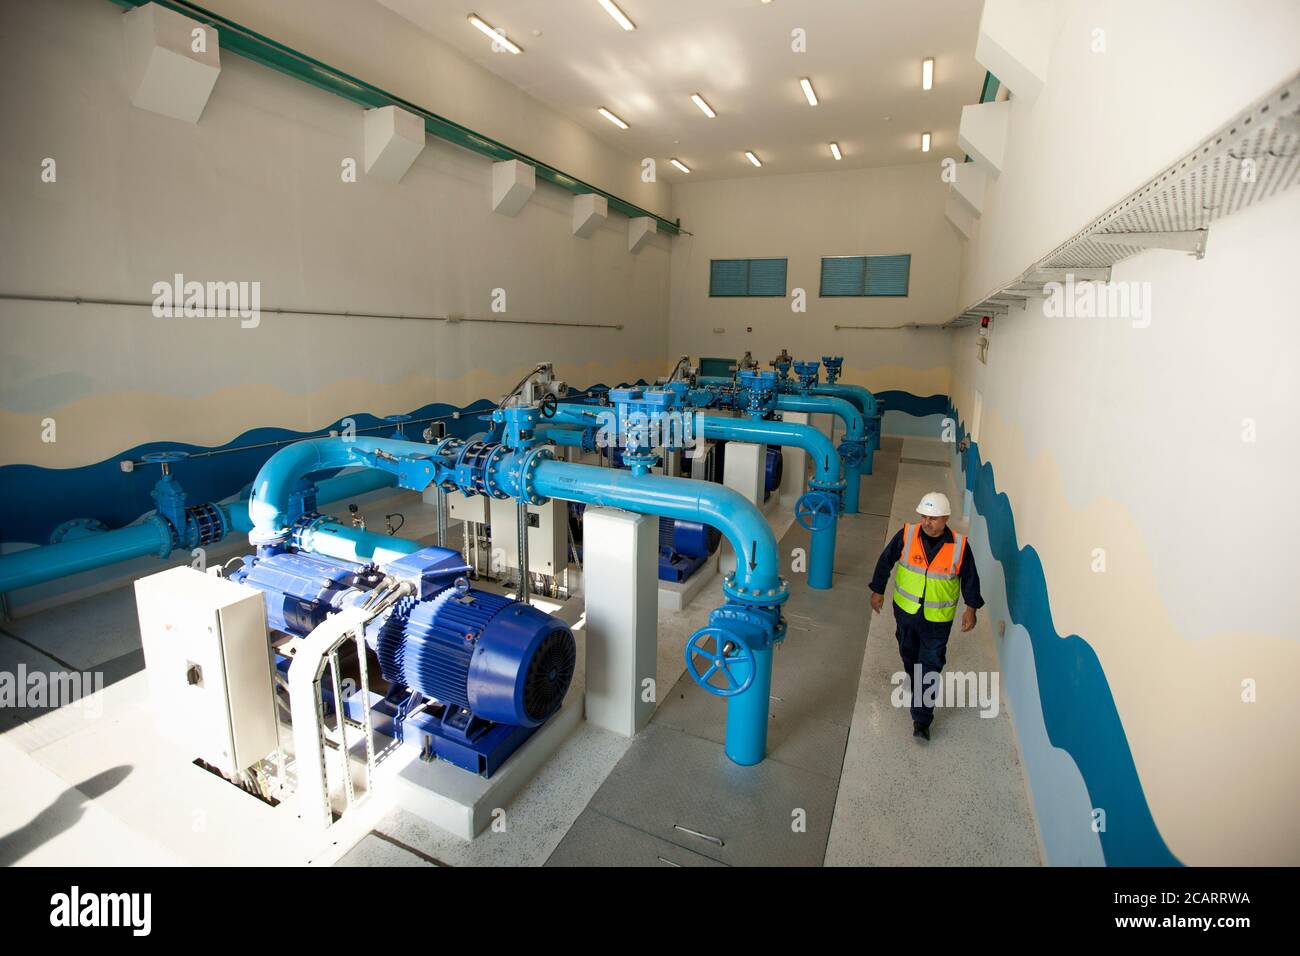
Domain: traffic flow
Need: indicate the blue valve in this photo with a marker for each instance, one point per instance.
(816, 511)
(852, 452)
(729, 657)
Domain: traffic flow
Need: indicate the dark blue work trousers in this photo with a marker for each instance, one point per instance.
(925, 643)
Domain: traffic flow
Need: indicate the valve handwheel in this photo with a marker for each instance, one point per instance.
(815, 511)
(728, 651)
(550, 405)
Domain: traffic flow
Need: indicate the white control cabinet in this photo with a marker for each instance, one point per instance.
(208, 661)
(548, 535)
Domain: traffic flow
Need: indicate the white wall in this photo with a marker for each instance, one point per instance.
(1149, 468)
(253, 192)
(1172, 72)
(804, 217)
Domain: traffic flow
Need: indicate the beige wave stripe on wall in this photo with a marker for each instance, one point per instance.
(97, 427)
(1222, 777)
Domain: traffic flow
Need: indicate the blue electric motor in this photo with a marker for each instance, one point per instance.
(773, 471)
(471, 672)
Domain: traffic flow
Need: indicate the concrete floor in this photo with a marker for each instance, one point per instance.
(96, 785)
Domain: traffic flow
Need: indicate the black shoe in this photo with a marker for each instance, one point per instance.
(920, 730)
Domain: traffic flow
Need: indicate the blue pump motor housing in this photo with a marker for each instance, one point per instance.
(773, 471)
(498, 667)
(504, 661)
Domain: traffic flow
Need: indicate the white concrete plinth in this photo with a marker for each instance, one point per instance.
(460, 802)
(621, 564)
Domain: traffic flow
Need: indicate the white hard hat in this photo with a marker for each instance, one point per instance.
(934, 504)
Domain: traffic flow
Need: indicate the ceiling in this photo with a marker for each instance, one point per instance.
(863, 57)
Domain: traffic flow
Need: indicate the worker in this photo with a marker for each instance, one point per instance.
(934, 566)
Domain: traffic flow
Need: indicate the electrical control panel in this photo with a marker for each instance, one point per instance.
(208, 662)
(548, 535)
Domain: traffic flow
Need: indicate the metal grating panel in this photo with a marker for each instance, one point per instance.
(1190, 195)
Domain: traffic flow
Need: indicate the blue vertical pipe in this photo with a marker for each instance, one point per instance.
(747, 712)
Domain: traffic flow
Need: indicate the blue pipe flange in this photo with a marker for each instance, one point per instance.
(834, 365)
(303, 524)
(728, 652)
(205, 524)
(816, 510)
(756, 597)
(527, 473)
(853, 452)
(77, 528)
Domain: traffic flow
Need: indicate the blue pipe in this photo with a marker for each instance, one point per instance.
(854, 428)
(23, 569)
(826, 475)
(871, 414)
(335, 540)
(152, 536)
(564, 435)
(757, 567)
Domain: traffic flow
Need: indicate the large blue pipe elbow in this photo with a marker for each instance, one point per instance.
(871, 414)
(757, 566)
(854, 431)
(826, 475)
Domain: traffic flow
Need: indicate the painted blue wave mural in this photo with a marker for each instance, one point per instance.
(1078, 708)
(909, 404)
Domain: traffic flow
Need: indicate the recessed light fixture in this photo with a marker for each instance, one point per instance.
(749, 155)
(496, 36)
(680, 165)
(619, 16)
(835, 151)
(705, 108)
(621, 125)
(925, 142)
(808, 91)
(927, 73)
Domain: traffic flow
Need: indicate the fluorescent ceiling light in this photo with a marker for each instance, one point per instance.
(680, 165)
(927, 73)
(752, 158)
(705, 108)
(619, 16)
(620, 124)
(808, 91)
(835, 151)
(925, 142)
(497, 36)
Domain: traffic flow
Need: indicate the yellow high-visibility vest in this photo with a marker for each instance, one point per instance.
(934, 585)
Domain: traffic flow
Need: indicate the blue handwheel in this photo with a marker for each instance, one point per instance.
(728, 651)
(853, 451)
(815, 511)
(164, 457)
